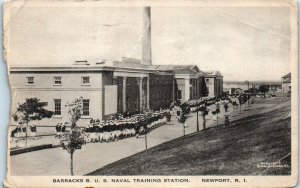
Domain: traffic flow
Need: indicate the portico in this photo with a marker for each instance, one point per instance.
(135, 91)
(187, 86)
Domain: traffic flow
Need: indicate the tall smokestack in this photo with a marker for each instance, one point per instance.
(146, 43)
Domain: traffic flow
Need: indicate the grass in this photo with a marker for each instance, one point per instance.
(235, 150)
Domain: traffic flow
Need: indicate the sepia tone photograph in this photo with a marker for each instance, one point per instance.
(151, 93)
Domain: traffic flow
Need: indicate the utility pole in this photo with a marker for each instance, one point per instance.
(197, 120)
(146, 142)
(248, 96)
(233, 111)
(183, 129)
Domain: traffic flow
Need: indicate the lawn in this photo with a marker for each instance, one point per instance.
(239, 149)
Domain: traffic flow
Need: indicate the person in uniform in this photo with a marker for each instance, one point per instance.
(57, 128)
(138, 128)
(63, 127)
(33, 131)
(13, 135)
(24, 130)
(96, 131)
(106, 132)
(204, 114)
(226, 105)
(214, 113)
(18, 129)
(87, 133)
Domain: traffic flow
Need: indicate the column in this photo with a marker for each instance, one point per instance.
(141, 93)
(173, 88)
(196, 89)
(187, 89)
(148, 93)
(124, 94)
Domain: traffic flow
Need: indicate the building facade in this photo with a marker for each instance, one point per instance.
(214, 83)
(107, 88)
(286, 84)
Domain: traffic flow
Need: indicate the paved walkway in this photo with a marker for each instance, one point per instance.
(40, 140)
(92, 156)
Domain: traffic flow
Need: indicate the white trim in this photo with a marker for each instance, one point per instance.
(89, 109)
(186, 76)
(85, 117)
(130, 74)
(57, 89)
(57, 116)
(53, 109)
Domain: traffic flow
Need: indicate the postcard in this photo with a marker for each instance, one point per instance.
(152, 93)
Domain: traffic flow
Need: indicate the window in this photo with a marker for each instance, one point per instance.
(85, 80)
(30, 80)
(86, 107)
(57, 80)
(120, 80)
(57, 107)
(179, 95)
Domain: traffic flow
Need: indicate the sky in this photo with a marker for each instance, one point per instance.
(243, 43)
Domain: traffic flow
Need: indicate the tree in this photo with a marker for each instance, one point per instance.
(184, 111)
(31, 110)
(73, 139)
(204, 112)
(252, 90)
(264, 89)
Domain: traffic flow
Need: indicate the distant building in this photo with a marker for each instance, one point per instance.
(214, 83)
(188, 81)
(286, 83)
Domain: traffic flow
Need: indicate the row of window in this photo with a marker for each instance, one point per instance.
(57, 80)
(85, 107)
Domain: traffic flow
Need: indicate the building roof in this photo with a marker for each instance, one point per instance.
(127, 64)
(287, 75)
(287, 80)
(213, 74)
(178, 69)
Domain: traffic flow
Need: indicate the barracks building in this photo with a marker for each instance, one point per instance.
(111, 87)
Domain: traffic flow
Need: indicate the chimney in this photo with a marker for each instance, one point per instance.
(81, 62)
(146, 43)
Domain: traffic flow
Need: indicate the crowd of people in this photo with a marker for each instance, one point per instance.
(212, 104)
(20, 132)
(61, 128)
(122, 127)
(138, 124)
